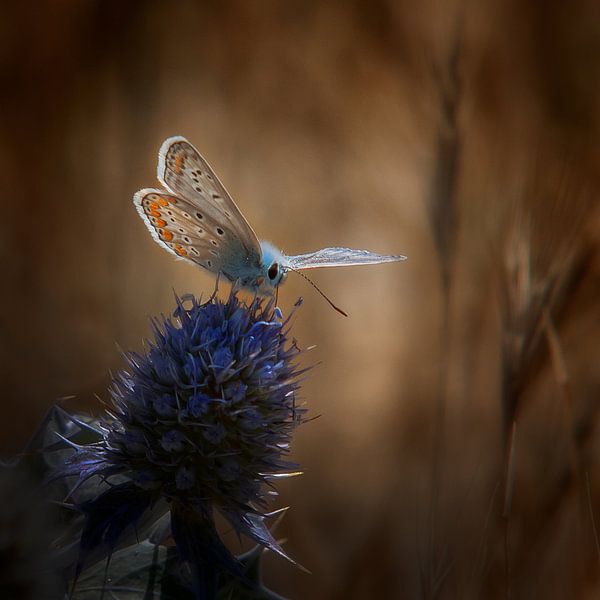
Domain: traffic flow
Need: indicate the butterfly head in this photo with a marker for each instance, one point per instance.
(273, 270)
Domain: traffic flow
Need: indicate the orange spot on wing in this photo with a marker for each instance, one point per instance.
(155, 213)
(179, 164)
(160, 222)
(163, 201)
(154, 205)
(181, 251)
(166, 235)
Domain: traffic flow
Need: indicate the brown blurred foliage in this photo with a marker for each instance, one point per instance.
(457, 453)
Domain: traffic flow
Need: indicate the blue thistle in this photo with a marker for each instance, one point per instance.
(203, 419)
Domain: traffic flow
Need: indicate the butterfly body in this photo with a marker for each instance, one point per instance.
(196, 219)
(261, 277)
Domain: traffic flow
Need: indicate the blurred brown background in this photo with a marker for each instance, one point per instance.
(457, 453)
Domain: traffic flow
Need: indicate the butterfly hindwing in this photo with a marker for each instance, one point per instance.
(188, 231)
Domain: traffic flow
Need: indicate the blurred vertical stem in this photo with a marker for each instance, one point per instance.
(536, 294)
(443, 214)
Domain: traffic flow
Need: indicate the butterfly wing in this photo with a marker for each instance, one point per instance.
(196, 219)
(339, 257)
(183, 171)
(182, 228)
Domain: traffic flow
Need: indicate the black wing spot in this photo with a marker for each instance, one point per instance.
(186, 239)
(208, 263)
(169, 213)
(220, 231)
(194, 251)
(181, 230)
(214, 242)
(198, 188)
(200, 215)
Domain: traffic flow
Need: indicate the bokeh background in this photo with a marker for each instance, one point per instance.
(457, 454)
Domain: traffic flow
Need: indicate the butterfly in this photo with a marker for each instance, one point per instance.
(195, 218)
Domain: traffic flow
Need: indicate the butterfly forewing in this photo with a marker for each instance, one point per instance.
(339, 257)
(181, 228)
(182, 170)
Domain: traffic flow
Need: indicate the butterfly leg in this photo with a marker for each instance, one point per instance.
(215, 291)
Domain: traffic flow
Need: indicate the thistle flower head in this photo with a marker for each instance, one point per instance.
(203, 418)
(208, 411)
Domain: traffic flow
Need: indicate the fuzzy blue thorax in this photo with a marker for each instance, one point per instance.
(273, 265)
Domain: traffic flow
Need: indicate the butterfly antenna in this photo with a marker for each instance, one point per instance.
(318, 290)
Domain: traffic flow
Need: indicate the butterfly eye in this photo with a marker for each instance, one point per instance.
(273, 270)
